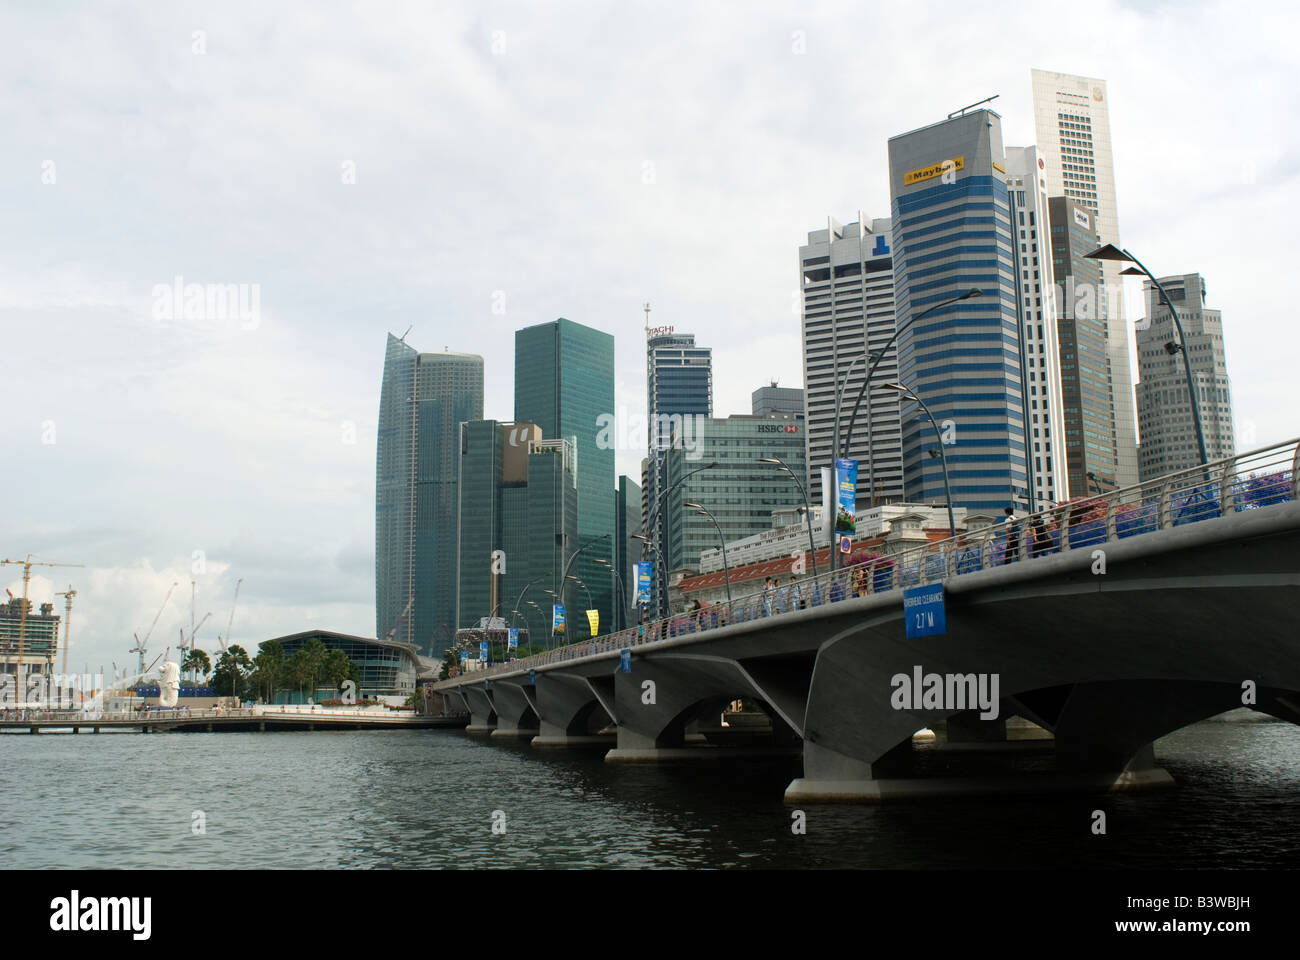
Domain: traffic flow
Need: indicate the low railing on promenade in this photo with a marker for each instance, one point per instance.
(79, 717)
(1248, 481)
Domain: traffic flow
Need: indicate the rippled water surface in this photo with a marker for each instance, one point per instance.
(425, 799)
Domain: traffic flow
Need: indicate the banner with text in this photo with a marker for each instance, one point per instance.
(644, 571)
(846, 509)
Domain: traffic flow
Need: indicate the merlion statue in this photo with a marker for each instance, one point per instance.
(169, 685)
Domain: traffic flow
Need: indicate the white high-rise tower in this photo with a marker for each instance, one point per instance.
(1072, 127)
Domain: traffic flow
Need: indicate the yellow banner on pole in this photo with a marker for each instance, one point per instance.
(593, 618)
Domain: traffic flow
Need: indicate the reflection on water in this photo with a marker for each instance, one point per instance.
(421, 799)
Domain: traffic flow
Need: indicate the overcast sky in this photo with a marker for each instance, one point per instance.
(375, 167)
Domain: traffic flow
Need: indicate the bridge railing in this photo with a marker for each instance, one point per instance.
(1248, 481)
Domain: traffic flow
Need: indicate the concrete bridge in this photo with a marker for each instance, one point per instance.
(1136, 614)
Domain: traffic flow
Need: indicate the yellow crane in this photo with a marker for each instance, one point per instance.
(22, 615)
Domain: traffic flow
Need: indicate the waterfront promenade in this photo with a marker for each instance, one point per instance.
(262, 717)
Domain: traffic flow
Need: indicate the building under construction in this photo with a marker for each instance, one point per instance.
(39, 635)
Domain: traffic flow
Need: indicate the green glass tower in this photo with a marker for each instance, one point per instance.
(518, 512)
(564, 383)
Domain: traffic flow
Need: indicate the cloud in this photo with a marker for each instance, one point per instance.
(578, 161)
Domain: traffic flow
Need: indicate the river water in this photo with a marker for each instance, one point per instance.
(429, 799)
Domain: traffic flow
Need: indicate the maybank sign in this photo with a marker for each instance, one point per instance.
(949, 166)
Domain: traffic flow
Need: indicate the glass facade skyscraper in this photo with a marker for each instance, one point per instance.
(627, 551)
(679, 383)
(564, 383)
(740, 492)
(952, 232)
(424, 397)
(1087, 391)
(518, 496)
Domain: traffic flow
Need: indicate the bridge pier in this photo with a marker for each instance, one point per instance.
(515, 716)
(570, 709)
(482, 710)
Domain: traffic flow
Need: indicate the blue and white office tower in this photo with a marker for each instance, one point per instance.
(952, 232)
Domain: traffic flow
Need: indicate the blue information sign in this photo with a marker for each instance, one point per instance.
(625, 662)
(532, 676)
(644, 571)
(923, 611)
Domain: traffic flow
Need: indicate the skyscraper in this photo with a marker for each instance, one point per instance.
(1072, 127)
(1037, 317)
(774, 400)
(1164, 406)
(627, 550)
(679, 383)
(951, 231)
(1086, 389)
(844, 316)
(518, 512)
(740, 492)
(423, 399)
(564, 383)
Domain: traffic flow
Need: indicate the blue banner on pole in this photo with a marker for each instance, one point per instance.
(483, 651)
(923, 611)
(644, 571)
(846, 486)
(514, 638)
(625, 662)
(557, 618)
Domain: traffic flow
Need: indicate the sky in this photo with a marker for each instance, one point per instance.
(465, 170)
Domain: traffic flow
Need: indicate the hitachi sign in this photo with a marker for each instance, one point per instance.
(658, 331)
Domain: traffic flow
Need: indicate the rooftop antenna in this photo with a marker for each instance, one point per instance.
(958, 113)
(408, 330)
(646, 307)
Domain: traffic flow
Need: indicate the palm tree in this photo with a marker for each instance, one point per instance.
(197, 662)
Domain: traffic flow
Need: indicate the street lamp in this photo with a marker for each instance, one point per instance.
(807, 510)
(654, 512)
(943, 457)
(584, 589)
(842, 451)
(601, 562)
(564, 575)
(525, 590)
(1111, 252)
(726, 569)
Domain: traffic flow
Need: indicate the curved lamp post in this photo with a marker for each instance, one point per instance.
(726, 569)
(807, 510)
(600, 562)
(654, 512)
(584, 589)
(943, 457)
(1113, 253)
(842, 450)
(520, 599)
(564, 575)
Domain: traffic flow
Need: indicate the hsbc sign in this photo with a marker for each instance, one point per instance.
(778, 428)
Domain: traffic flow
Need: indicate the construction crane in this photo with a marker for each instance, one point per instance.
(67, 631)
(140, 645)
(188, 645)
(22, 614)
(405, 610)
(230, 623)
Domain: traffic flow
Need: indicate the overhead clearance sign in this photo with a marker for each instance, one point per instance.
(934, 170)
